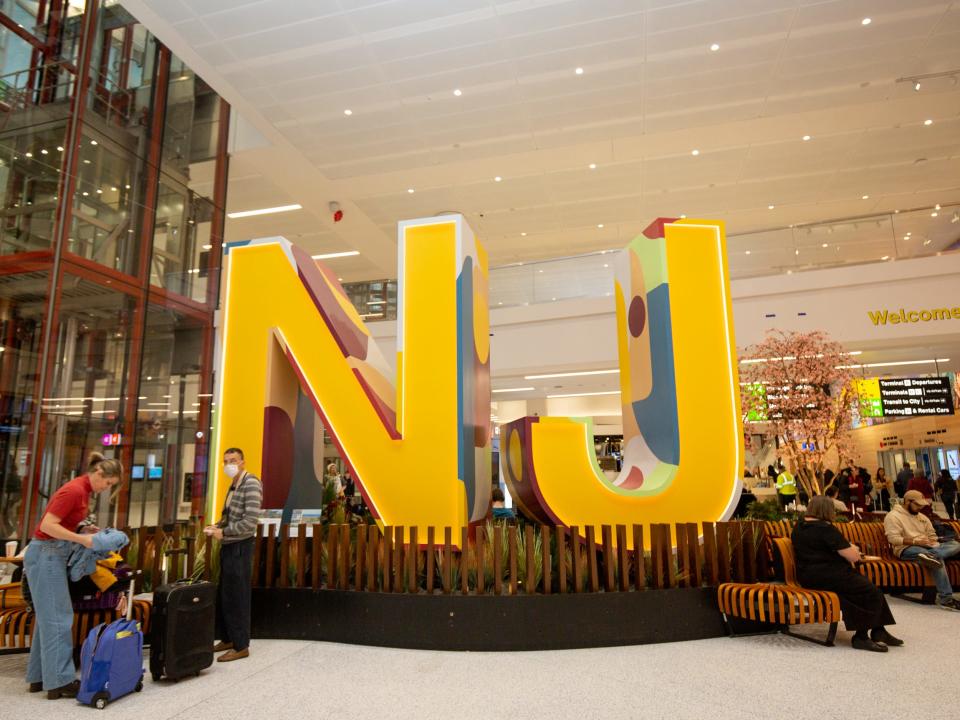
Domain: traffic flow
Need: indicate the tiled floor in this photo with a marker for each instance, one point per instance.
(763, 677)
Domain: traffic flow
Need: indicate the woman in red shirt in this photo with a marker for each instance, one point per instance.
(51, 665)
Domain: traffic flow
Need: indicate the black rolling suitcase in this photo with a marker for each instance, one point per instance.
(181, 629)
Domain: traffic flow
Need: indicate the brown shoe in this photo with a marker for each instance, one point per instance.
(221, 646)
(231, 655)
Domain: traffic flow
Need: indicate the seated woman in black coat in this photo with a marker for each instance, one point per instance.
(825, 561)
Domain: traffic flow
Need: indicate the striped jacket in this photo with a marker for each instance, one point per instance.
(241, 511)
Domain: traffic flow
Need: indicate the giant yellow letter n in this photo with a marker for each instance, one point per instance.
(419, 446)
(679, 393)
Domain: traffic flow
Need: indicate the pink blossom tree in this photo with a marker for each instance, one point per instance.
(801, 385)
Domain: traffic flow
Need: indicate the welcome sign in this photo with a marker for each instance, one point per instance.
(417, 439)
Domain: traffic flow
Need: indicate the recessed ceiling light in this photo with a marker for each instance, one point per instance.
(93, 142)
(797, 251)
(579, 71)
(207, 247)
(934, 213)
(59, 148)
(592, 166)
(916, 86)
(497, 178)
(885, 257)
(747, 252)
(348, 111)
(327, 256)
(44, 151)
(585, 394)
(866, 21)
(85, 161)
(825, 245)
(410, 190)
(928, 122)
(127, 187)
(571, 374)
(523, 234)
(28, 154)
(806, 137)
(599, 225)
(683, 217)
(85, 193)
(770, 207)
(865, 197)
(458, 92)
(714, 47)
(927, 241)
(789, 272)
(937, 206)
(516, 389)
(694, 152)
(263, 211)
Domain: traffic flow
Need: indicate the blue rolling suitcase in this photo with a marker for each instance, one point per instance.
(111, 661)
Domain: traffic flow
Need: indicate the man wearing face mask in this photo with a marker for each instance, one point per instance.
(912, 536)
(236, 530)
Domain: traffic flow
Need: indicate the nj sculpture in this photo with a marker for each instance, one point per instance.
(418, 439)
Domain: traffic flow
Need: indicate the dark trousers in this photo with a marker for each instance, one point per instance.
(862, 605)
(949, 502)
(233, 593)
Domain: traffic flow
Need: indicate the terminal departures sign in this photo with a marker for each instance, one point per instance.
(906, 397)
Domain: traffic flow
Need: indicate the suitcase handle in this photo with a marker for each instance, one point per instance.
(133, 581)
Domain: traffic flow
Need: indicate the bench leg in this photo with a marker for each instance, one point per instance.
(927, 596)
(730, 633)
(831, 635)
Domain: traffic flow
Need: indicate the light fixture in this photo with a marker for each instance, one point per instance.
(571, 374)
(893, 364)
(586, 394)
(348, 112)
(263, 211)
(797, 251)
(86, 162)
(328, 256)
(714, 47)
(928, 121)
(523, 234)
(934, 214)
(885, 257)
(937, 207)
(59, 148)
(458, 92)
(579, 71)
(207, 247)
(497, 178)
(866, 21)
(508, 390)
(376, 302)
(44, 151)
(906, 237)
(28, 154)
(85, 193)
(410, 190)
(694, 152)
(770, 207)
(865, 197)
(600, 225)
(916, 86)
(592, 166)
(955, 217)
(806, 137)
(747, 252)
(927, 241)
(113, 189)
(93, 142)
(127, 186)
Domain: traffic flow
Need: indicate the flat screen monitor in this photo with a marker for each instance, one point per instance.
(136, 472)
(156, 472)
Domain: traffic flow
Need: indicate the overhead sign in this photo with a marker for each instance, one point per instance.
(906, 397)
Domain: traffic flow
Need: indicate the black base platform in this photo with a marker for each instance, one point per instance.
(486, 622)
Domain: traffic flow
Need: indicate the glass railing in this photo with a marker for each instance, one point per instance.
(849, 241)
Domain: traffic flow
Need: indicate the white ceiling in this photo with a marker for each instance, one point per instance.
(651, 92)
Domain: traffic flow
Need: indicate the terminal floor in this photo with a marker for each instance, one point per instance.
(762, 676)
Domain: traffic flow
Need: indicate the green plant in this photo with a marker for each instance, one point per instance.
(766, 510)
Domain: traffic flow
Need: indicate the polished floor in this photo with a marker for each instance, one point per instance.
(764, 676)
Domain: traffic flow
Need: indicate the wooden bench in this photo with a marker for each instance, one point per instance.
(783, 605)
(889, 573)
(16, 624)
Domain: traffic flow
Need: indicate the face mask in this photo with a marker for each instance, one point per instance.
(231, 470)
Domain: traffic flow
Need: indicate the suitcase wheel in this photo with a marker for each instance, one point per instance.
(100, 701)
(139, 686)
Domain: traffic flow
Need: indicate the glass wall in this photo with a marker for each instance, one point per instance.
(108, 262)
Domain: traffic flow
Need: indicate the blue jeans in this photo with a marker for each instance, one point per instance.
(943, 551)
(51, 650)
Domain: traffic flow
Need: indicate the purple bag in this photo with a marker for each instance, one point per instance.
(85, 594)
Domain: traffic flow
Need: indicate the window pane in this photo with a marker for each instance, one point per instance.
(22, 309)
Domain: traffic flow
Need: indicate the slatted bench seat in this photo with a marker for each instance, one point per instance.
(16, 624)
(888, 573)
(783, 605)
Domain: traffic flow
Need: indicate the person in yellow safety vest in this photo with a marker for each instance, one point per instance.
(786, 488)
